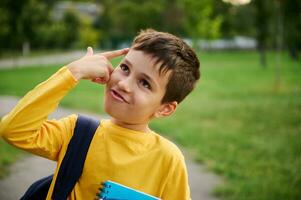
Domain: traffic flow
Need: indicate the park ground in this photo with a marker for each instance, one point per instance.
(239, 122)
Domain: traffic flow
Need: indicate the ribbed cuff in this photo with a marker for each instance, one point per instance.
(67, 76)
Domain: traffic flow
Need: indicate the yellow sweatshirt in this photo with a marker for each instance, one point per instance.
(144, 161)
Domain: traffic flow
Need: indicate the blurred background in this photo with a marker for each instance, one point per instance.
(243, 121)
(210, 24)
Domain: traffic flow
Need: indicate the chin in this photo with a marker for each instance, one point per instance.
(114, 112)
(119, 115)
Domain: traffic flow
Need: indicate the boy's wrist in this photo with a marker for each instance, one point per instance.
(75, 71)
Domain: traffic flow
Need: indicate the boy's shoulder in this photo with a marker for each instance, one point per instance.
(168, 148)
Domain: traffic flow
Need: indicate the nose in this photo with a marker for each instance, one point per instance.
(125, 84)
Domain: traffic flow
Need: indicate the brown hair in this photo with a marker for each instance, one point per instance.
(175, 55)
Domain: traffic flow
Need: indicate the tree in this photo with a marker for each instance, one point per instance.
(262, 21)
(292, 26)
(122, 19)
(173, 17)
(10, 32)
(237, 20)
(200, 21)
(20, 20)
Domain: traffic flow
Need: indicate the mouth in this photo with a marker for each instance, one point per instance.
(118, 96)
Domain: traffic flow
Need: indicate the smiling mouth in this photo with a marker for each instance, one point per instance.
(117, 96)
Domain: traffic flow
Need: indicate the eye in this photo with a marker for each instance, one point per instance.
(124, 68)
(145, 84)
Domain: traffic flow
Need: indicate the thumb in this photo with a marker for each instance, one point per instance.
(89, 51)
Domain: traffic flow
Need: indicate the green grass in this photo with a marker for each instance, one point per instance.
(238, 122)
(18, 82)
(8, 155)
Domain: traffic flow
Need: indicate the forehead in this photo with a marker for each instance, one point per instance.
(144, 63)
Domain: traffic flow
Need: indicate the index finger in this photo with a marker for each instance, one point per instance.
(113, 54)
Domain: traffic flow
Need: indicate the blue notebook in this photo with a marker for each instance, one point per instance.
(114, 191)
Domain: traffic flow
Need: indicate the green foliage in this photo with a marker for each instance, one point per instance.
(19, 20)
(200, 21)
(122, 20)
(30, 21)
(88, 36)
(51, 35)
(292, 24)
(188, 18)
(237, 20)
(262, 19)
(59, 34)
(71, 23)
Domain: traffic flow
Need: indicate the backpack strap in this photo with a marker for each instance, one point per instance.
(38, 190)
(74, 159)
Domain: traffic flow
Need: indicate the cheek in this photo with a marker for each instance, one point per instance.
(145, 101)
(113, 78)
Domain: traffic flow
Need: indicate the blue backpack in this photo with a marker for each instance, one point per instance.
(72, 164)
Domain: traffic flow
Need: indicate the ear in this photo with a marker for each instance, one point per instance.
(166, 109)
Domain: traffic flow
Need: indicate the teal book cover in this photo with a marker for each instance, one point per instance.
(114, 191)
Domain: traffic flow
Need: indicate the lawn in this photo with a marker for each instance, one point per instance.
(237, 122)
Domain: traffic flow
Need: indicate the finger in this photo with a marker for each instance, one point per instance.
(110, 69)
(113, 54)
(89, 51)
(105, 78)
(99, 80)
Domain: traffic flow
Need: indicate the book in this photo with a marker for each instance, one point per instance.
(114, 191)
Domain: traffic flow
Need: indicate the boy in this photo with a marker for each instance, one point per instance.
(156, 74)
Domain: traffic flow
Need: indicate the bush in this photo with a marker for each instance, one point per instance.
(88, 36)
(59, 34)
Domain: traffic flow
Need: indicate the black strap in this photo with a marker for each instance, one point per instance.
(38, 190)
(74, 159)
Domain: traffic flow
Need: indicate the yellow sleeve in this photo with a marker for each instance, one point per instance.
(27, 127)
(177, 186)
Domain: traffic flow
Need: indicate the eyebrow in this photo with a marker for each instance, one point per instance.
(127, 62)
(150, 79)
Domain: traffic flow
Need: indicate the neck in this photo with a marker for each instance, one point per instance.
(136, 127)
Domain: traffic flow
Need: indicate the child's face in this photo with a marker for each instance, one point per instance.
(134, 92)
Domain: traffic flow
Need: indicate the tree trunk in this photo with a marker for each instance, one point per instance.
(262, 54)
(293, 53)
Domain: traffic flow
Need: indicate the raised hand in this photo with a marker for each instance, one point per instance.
(96, 67)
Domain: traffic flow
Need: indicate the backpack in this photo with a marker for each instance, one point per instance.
(72, 165)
